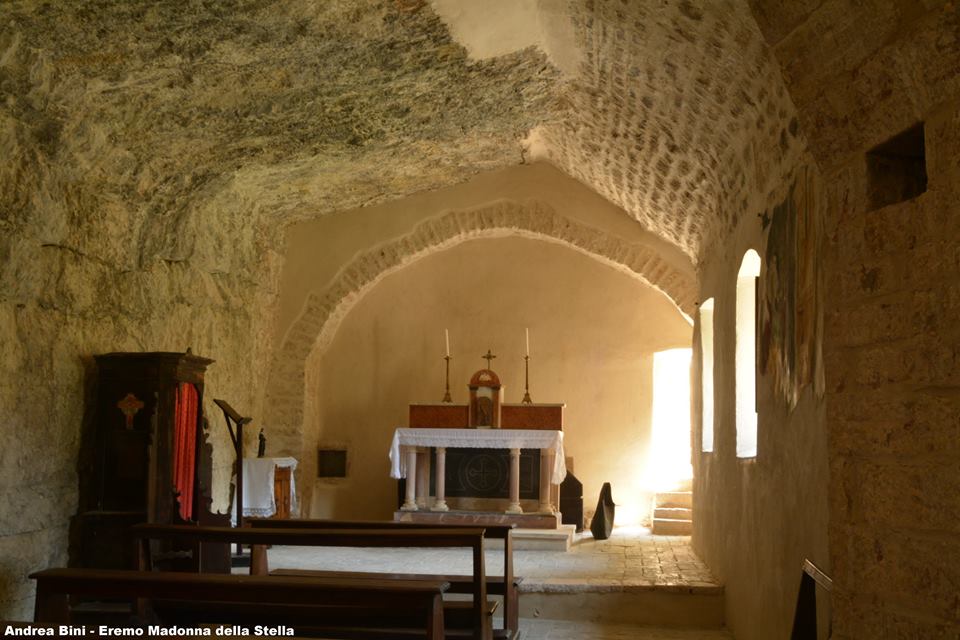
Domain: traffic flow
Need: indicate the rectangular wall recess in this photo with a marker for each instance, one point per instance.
(332, 463)
(897, 169)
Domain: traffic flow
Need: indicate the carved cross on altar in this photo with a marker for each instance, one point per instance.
(488, 357)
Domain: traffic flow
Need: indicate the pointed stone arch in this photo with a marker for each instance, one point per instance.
(325, 309)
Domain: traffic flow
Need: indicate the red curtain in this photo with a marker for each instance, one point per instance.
(185, 447)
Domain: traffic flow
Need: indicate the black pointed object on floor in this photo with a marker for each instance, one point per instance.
(571, 502)
(602, 524)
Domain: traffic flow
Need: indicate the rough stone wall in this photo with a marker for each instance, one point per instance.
(307, 107)
(153, 153)
(75, 284)
(95, 258)
(893, 379)
(861, 74)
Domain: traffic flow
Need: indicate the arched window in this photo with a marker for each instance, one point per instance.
(706, 375)
(746, 355)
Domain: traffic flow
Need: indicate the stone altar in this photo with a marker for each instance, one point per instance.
(408, 442)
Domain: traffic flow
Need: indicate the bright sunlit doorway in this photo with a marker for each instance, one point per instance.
(669, 466)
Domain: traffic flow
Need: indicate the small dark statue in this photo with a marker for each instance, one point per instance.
(602, 524)
(262, 447)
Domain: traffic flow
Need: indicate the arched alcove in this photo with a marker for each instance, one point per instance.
(286, 405)
(593, 335)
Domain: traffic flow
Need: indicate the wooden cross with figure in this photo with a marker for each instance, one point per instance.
(488, 357)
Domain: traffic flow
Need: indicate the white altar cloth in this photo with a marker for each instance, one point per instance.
(478, 439)
(258, 498)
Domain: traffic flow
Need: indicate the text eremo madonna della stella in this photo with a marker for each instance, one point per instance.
(148, 631)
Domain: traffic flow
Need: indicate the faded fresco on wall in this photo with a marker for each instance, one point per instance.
(789, 322)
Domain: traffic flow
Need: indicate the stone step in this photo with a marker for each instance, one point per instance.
(558, 539)
(674, 499)
(673, 513)
(542, 629)
(687, 606)
(671, 527)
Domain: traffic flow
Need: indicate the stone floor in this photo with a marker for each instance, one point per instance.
(630, 559)
(565, 630)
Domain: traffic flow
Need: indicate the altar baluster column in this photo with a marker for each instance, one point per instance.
(546, 481)
(410, 503)
(423, 477)
(440, 504)
(515, 482)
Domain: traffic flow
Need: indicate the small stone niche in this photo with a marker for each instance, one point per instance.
(897, 169)
(331, 463)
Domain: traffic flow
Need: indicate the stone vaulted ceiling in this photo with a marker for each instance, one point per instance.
(202, 114)
(678, 108)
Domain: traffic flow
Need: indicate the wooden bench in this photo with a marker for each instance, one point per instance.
(505, 586)
(321, 607)
(474, 616)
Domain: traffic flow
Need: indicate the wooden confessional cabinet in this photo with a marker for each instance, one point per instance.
(144, 458)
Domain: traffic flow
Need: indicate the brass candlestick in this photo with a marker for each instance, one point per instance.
(526, 385)
(446, 396)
